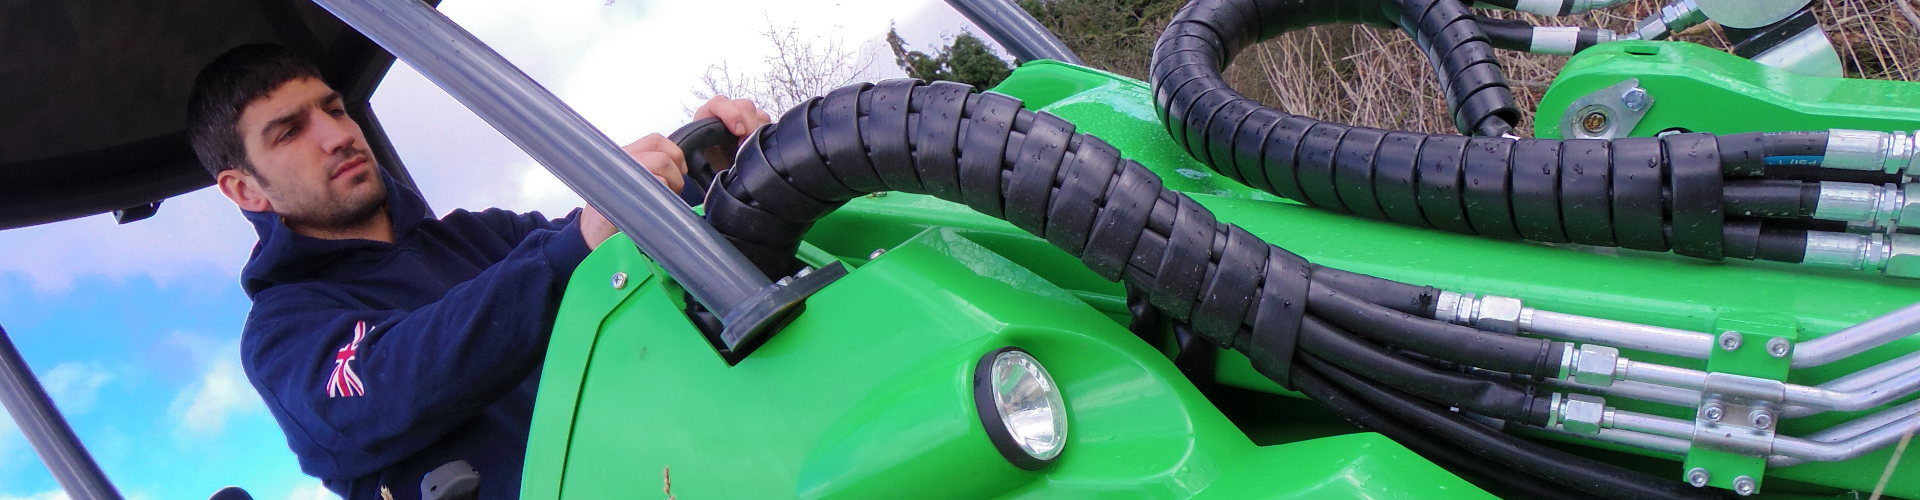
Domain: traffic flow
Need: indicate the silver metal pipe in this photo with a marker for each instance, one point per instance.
(1854, 428)
(1858, 338)
(1619, 334)
(1642, 440)
(1651, 424)
(1877, 394)
(590, 164)
(1791, 448)
(1634, 390)
(1894, 423)
(1654, 373)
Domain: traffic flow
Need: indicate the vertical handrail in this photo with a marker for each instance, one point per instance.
(713, 270)
(1015, 29)
(46, 430)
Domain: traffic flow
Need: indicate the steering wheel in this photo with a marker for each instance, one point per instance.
(705, 141)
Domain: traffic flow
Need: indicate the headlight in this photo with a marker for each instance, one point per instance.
(1020, 407)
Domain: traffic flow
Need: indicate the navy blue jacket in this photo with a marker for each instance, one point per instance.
(453, 320)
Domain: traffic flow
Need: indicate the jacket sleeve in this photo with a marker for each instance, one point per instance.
(412, 376)
(513, 227)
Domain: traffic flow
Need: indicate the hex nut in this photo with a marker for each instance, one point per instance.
(1909, 212)
(1594, 365)
(1499, 314)
(1903, 256)
(1582, 413)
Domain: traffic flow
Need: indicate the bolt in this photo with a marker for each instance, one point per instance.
(1713, 412)
(1595, 122)
(784, 281)
(1762, 419)
(1779, 347)
(876, 253)
(1745, 485)
(1634, 99)
(1730, 340)
(804, 271)
(1697, 477)
(619, 280)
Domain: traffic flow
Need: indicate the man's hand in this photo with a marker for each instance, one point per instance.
(740, 115)
(595, 228)
(662, 158)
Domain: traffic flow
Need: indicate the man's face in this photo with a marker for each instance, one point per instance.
(310, 159)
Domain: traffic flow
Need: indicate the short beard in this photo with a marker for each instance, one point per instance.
(340, 215)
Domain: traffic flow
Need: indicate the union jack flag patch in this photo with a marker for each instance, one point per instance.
(344, 382)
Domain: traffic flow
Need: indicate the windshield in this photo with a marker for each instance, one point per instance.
(134, 329)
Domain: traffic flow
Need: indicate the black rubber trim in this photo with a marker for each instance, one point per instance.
(1536, 190)
(1487, 171)
(1586, 177)
(1396, 178)
(1353, 173)
(1697, 187)
(1639, 207)
(1440, 184)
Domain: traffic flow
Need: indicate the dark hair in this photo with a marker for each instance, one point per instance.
(224, 88)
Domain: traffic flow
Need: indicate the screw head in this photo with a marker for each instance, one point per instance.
(619, 280)
(1594, 122)
(876, 253)
(1730, 340)
(1697, 477)
(1779, 347)
(1762, 419)
(1745, 486)
(1713, 413)
(1634, 99)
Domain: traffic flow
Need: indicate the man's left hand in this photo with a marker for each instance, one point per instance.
(740, 115)
(662, 158)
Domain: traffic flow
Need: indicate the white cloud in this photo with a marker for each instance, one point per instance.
(44, 495)
(200, 232)
(75, 386)
(202, 409)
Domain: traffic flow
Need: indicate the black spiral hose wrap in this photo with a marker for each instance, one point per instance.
(1073, 190)
(1657, 194)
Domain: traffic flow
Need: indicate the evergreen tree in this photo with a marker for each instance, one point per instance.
(966, 60)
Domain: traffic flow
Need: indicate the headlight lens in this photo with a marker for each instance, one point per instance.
(1021, 407)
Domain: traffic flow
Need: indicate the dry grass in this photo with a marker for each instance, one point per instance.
(1377, 78)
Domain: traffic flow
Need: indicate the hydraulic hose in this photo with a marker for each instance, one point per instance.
(1588, 476)
(1075, 191)
(1467, 463)
(1656, 194)
(1494, 399)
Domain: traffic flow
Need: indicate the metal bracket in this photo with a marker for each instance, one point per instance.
(1607, 113)
(1735, 425)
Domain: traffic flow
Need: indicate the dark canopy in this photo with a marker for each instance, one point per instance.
(93, 93)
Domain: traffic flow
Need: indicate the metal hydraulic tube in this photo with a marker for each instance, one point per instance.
(712, 270)
(1616, 333)
(1874, 431)
(1858, 338)
(1784, 447)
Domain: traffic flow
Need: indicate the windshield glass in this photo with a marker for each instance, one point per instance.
(134, 329)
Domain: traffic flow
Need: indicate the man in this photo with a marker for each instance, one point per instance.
(387, 343)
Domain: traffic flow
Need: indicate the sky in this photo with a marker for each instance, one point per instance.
(134, 329)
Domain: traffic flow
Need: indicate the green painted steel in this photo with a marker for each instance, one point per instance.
(866, 392)
(1700, 89)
